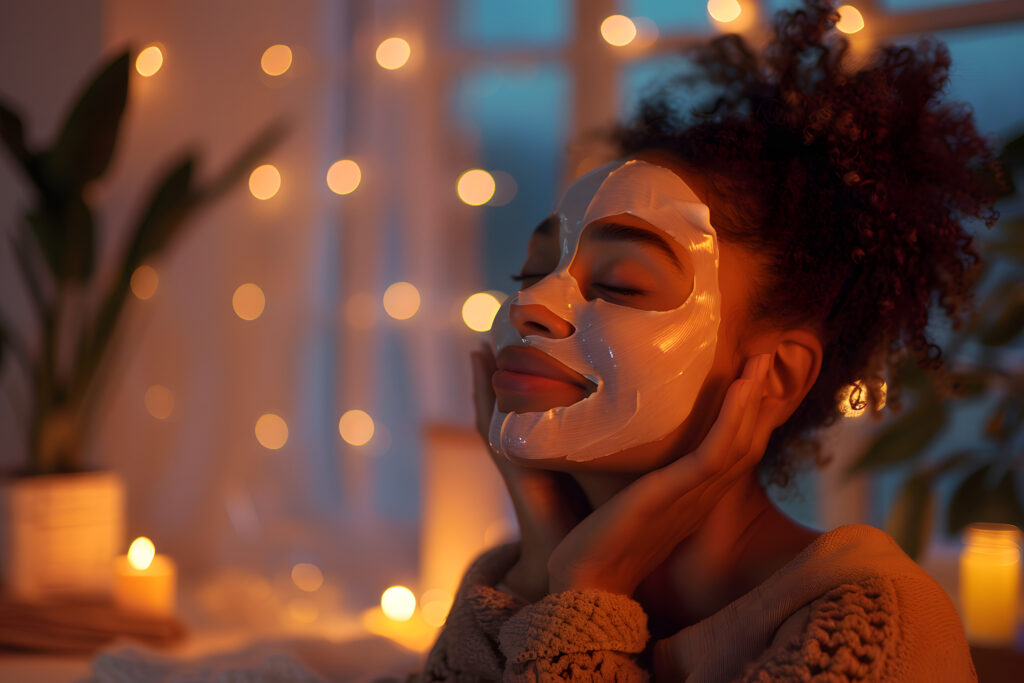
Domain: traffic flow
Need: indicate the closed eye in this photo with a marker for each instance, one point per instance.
(625, 291)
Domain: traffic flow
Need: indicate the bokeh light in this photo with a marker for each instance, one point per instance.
(303, 611)
(618, 30)
(271, 431)
(149, 61)
(307, 577)
(276, 60)
(475, 186)
(264, 181)
(505, 188)
(248, 301)
(393, 53)
(344, 176)
(646, 32)
(850, 19)
(398, 603)
(479, 310)
(356, 427)
(141, 553)
(144, 282)
(401, 300)
(159, 402)
(435, 605)
(724, 11)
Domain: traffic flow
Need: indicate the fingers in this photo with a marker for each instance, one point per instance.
(756, 370)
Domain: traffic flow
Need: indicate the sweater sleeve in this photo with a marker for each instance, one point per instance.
(867, 631)
(467, 648)
(574, 636)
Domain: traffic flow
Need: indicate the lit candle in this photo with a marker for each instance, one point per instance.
(990, 583)
(144, 582)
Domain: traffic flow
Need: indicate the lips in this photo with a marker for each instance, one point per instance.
(520, 364)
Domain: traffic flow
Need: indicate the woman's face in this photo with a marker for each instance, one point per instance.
(617, 350)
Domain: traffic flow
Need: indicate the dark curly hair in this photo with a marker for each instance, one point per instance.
(853, 184)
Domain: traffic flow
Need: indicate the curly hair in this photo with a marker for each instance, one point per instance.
(852, 184)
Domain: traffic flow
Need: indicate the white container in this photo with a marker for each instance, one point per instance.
(60, 533)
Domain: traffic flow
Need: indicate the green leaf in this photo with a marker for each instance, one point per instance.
(245, 161)
(970, 384)
(912, 514)
(43, 225)
(85, 146)
(77, 249)
(169, 203)
(905, 438)
(1009, 322)
(976, 501)
(12, 132)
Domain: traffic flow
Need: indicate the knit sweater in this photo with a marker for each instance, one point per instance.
(852, 606)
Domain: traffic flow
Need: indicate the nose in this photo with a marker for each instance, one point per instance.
(538, 320)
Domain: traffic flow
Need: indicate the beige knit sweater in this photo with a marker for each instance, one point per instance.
(850, 607)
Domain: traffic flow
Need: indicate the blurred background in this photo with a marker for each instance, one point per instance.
(285, 399)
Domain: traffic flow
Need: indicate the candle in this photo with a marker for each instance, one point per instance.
(144, 582)
(990, 583)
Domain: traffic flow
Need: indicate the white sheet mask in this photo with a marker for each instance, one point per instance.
(648, 365)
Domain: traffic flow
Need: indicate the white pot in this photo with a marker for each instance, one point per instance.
(59, 534)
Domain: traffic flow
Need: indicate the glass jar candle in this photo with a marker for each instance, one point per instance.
(990, 583)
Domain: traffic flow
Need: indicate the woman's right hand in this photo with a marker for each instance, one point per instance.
(547, 504)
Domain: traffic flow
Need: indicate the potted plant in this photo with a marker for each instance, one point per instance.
(62, 525)
(985, 374)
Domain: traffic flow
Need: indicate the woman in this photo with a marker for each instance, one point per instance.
(686, 319)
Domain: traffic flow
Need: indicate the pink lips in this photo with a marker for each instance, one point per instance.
(527, 370)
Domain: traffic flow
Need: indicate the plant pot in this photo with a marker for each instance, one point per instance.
(59, 534)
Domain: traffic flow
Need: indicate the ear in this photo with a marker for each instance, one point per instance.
(796, 363)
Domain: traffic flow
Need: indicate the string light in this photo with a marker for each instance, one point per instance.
(393, 53)
(159, 402)
(248, 301)
(479, 310)
(149, 61)
(307, 577)
(141, 553)
(853, 398)
(144, 282)
(398, 603)
(618, 30)
(356, 427)
(724, 11)
(264, 181)
(850, 19)
(276, 60)
(505, 188)
(475, 187)
(271, 431)
(401, 300)
(344, 176)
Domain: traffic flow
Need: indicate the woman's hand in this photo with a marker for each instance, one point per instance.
(547, 504)
(618, 545)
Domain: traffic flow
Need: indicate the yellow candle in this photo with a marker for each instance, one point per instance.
(990, 583)
(144, 582)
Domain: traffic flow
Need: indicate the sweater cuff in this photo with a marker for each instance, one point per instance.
(574, 622)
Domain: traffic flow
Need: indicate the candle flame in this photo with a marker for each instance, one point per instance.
(141, 553)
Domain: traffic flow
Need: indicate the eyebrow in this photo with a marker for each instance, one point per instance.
(612, 232)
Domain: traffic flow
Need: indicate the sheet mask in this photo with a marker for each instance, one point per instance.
(648, 365)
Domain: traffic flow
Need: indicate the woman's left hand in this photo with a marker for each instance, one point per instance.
(620, 543)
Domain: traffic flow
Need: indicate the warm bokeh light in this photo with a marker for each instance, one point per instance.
(434, 605)
(401, 300)
(475, 186)
(618, 30)
(393, 53)
(271, 431)
(307, 577)
(149, 61)
(344, 176)
(264, 181)
(724, 11)
(356, 427)
(850, 19)
(303, 611)
(646, 32)
(853, 399)
(276, 60)
(141, 553)
(398, 603)
(144, 282)
(505, 188)
(479, 310)
(159, 402)
(248, 301)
